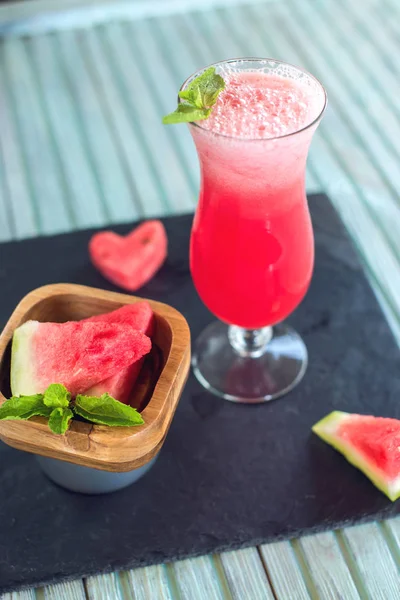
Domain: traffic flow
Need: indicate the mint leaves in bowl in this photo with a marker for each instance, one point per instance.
(57, 406)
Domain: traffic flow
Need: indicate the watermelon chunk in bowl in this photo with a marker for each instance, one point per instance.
(140, 317)
(94, 458)
(372, 444)
(72, 353)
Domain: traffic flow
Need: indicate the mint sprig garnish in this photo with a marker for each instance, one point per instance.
(107, 411)
(59, 420)
(24, 407)
(198, 98)
(56, 396)
(56, 405)
(186, 113)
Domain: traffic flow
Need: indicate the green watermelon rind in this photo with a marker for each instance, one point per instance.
(22, 377)
(326, 429)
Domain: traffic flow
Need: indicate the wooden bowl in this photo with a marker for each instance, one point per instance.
(117, 449)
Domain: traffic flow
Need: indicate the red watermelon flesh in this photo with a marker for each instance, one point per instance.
(139, 316)
(130, 261)
(76, 354)
(370, 443)
(377, 438)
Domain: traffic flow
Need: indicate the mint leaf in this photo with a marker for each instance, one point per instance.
(59, 419)
(192, 96)
(24, 407)
(204, 90)
(106, 411)
(199, 97)
(185, 113)
(210, 96)
(57, 395)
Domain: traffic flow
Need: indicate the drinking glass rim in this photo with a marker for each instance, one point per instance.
(256, 59)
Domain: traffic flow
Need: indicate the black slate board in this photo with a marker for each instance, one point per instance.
(229, 475)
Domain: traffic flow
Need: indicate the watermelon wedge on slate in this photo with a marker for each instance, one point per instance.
(130, 261)
(76, 354)
(372, 444)
(139, 316)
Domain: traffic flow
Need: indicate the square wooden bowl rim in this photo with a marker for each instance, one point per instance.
(107, 448)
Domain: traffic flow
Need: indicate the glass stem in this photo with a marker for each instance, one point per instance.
(249, 342)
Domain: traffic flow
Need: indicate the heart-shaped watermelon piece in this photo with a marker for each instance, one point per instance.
(130, 261)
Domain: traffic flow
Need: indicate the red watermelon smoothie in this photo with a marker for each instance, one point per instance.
(252, 249)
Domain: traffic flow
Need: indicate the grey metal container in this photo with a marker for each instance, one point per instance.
(86, 480)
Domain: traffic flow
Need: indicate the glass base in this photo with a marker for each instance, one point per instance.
(227, 373)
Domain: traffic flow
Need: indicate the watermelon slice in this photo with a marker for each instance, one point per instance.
(78, 355)
(139, 316)
(372, 444)
(130, 261)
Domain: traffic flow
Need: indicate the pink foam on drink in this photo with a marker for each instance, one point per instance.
(260, 105)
